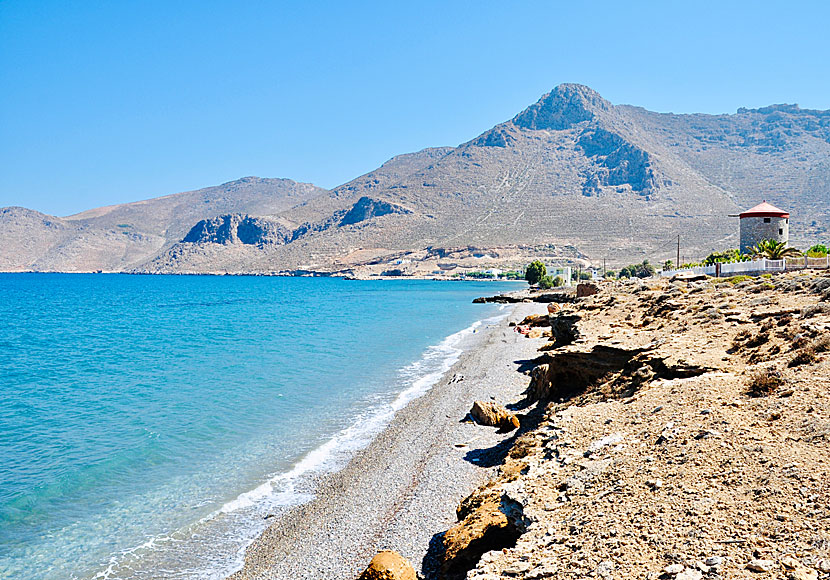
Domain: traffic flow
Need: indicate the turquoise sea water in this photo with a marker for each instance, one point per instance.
(149, 424)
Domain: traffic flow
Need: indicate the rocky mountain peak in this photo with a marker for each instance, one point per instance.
(562, 108)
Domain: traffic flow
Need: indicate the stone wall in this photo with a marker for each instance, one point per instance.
(754, 230)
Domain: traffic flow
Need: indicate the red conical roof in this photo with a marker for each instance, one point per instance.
(765, 210)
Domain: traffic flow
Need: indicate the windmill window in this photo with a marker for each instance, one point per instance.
(766, 220)
(780, 231)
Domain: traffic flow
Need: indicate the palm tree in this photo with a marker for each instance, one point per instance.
(773, 250)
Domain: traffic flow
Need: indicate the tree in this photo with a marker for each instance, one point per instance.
(643, 270)
(668, 265)
(774, 250)
(535, 271)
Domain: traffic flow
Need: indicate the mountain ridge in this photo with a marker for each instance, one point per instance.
(571, 171)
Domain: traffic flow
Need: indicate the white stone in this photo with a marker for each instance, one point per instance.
(612, 439)
(757, 565)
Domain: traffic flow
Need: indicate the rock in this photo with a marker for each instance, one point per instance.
(823, 565)
(689, 574)
(674, 569)
(388, 565)
(790, 562)
(600, 444)
(586, 289)
(534, 320)
(642, 375)
(494, 415)
(757, 565)
(713, 561)
(535, 333)
(605, 569)
(238, 229)
(803, 573)
(488, 521)
(655, 484)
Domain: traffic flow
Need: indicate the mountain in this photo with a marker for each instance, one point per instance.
(120, 237)
(572, 177)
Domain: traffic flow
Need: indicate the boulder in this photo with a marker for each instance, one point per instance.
(494, 415)
(534, 320)
(388, 565)
(488, 520)
(586, 289)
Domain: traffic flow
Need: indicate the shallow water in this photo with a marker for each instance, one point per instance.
(149, 424)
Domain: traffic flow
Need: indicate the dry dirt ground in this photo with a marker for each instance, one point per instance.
(683, 432)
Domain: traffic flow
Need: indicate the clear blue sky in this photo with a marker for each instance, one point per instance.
(111, 101)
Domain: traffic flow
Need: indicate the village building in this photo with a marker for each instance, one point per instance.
(763, 222)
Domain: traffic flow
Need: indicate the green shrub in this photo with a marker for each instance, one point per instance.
(818, 251)
(725, 257)
(732, 279)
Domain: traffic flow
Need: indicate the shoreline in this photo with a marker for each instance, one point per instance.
(403, 488)
(270, 275)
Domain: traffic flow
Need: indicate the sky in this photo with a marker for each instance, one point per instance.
(106, 102)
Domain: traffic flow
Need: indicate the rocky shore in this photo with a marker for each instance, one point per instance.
(674, 430)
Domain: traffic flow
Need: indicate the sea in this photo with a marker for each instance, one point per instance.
(151, 426)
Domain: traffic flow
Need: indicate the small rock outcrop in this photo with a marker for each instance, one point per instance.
(494, 415)
(389, 565)
(238, 228)
(586, 289)
(366, 208)
(616, 163)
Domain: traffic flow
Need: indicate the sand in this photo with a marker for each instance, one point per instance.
(402, 490)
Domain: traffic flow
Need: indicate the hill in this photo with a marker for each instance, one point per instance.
(119, 237)
(572, 177)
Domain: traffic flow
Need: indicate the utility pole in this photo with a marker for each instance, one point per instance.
(677, 265)
(603, 267)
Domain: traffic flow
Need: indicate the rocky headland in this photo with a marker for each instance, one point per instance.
(667, 429)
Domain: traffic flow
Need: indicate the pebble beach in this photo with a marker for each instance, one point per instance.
(403, 489)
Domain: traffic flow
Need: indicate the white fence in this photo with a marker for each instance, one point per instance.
(762, 265)
(697, 270)
(735, 268)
